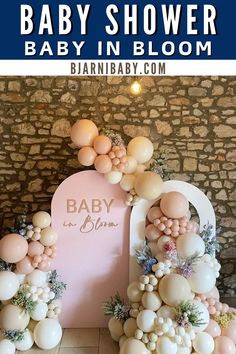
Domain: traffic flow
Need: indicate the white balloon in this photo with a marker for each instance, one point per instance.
(40, 311)
(203, 316)
(151, 301)
(133, 346)
(47, 333)
(127, 182)
(14, 318)
(183, 350)
(189, 244)
(166, 311)
(26, 343)
(131, 164)
(37, 278)
(113, 177)
(9, 285)
(133, 292)
(7, 347)
(21, 277)
(203, 343)
(146, 320)
(130, 327)
(202, 279)
(166, 346)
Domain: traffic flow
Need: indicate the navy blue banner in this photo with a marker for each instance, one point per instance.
(96, 29)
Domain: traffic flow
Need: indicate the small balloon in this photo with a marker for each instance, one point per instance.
(154, 213)
(7, 347)
(35, 249)
(131, 165)
(146, 320)
(37, 278)
(87, 156)
(152, 233)
(203, 343)
(41, 219)
(127, 182)
(113, 177)
(115, 327)
(25, 266)
(103, 164)
(213, 329)
(47, 333)
(48, 236)
(9, 285)
(26, 343)
(102, 144)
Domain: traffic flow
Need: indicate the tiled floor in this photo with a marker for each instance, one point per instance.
(82, 341)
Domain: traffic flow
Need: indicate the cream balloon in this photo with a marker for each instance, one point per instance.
(40, 311)
(48, 236)
(140, 169)
(134, 346)
(113, 177)
(203, 343)
(9, 285)
(14, 318)
(183, 350)
(151, 301)
(146, 320)
(47, 333)
(21, 277)
(202, 279)
(140, 148)
(148, 185)
(41, 219)
(130, 327)
(133, 292)
(7, 347)
(127, 182)
(122, 340)
(204, 315)
(37, 278)
(189, 244)
(166, 311)
(166, 346)
(174, 289)
(116, 327)
(131, 165)
(26, 343)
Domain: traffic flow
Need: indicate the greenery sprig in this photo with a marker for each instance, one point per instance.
(23, 300)
(187, 314)
(211, 244)
(13, 335)
(58, 287)
(116, 307)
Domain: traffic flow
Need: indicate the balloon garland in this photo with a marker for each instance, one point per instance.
(133, 167)
(30, 291)
(174, 307)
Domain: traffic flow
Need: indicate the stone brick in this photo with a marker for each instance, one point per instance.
(35, 185)
(157, 100)
(13, 187)
(206, 83)
(227, 102)
(197, 92)
(154, 113)
(133, 131)
(201, 131)
(41, 96)
(12, 98)
(68, 98)
(89, 88)
(120, 116)
(47, 165)
(231, 156)
(190, 164)
(218, 90)
(222, 195)
(180, 101)
(191, 120)
(120, 100)
(14, 86)
(23, 129)
(17, 157)
(114, 80)
(61, 128)
(224, 131)
(163, 128)
(2, 86)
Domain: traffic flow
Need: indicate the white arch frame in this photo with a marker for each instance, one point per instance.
(138, 216)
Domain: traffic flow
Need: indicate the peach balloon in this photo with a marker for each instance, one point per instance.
(83, 132)
(213, 329)
(25, 266)
(214, 293)
(103, 164)
(154, 213)
(140, 148)
(224, 345)
(87, 156)
(13, 248)
(35, 249)
(45, 266)
(148, 185)
(152, 233)
(174, 205)
(102, 144)
(230, 331)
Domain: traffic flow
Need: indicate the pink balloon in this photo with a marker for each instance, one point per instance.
(224, 345)
(102, 144)
(174, 205)
(154, 213)
(45, 266)
(87, 156)
(230, 331)
(25, 266)
(103, 164)
(152, 233)
(35, 249)
(213, 293)
(13, 248)
(83, 132)
(213, 329)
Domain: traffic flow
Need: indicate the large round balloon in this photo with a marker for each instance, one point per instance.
(26, 343)
(213, 329)
(166, 346)
(203, 343)
(190, 244)
(102, 144)
(140, 148)
(203, 316)
(230, 331)
(25, 265)
(35, 249)
(14, 318)
(115, 327)
(47, 333)
(224, 345)
(148, 185)
(41, 219)
(48, 236)
(7, 347)
(87, 156)
(146, 320)
(9, 285)
(13, 248)
(174, 205)
(130, 327)
(134, 346)
(174, 289)
(151, 301)
(83, 132)
(202, 278)
(133, 292)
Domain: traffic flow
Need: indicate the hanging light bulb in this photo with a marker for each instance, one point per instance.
(136, 88)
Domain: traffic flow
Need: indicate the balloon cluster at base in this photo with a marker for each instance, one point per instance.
(30, 290)
(174, 307)
(133, 168)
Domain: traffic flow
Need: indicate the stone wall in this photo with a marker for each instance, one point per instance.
(193, 119)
